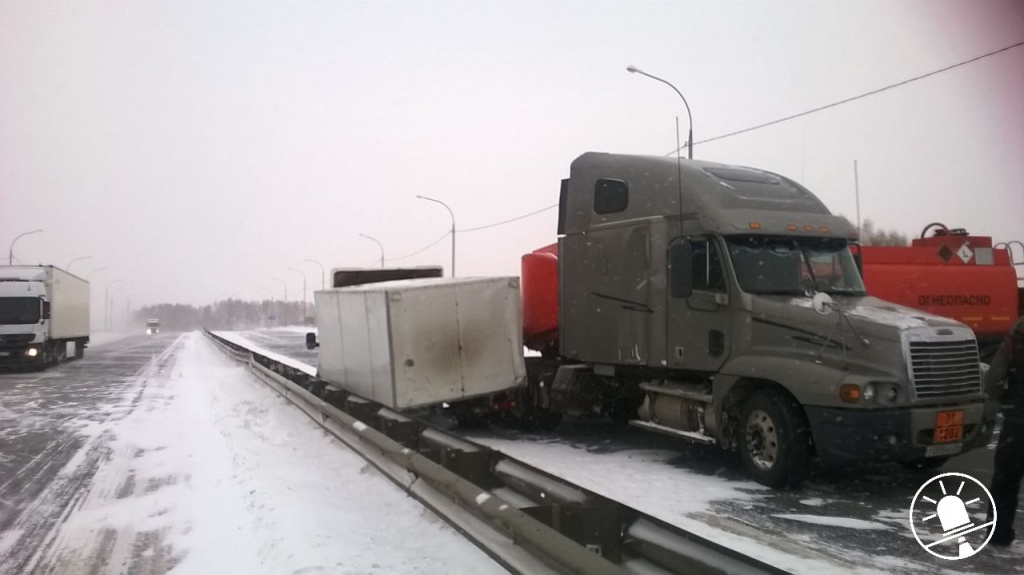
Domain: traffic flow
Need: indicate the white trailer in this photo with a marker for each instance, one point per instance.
(42, 309)
(420, 342)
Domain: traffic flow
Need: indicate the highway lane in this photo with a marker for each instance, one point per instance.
(46, 418)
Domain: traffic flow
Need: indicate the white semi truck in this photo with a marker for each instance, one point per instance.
(42, 310)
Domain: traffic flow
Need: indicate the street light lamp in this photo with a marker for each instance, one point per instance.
(689, 138)
(285, 284)
(108, 323)
(10, 252)
(379, 245)
(67, 268)
(323, 273)
(452, 214)
(303, 274)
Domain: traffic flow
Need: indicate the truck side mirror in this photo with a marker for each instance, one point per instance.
(680, 269)
(311, 342)
(46, 310)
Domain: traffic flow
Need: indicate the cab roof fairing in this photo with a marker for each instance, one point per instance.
(725, 198)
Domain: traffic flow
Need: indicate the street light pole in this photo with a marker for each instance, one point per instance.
(689, 138)
(285, 284)
(271, 310)
(379, 245)
(452, 214)
(87, 276)
(303, 274)
(323, 273)
(67, 268)
(106, 305)
(10, 251)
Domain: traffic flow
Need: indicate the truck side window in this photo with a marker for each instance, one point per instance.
(707, 266)
(610, 196)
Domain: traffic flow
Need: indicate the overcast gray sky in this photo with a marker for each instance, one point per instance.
(200, 149)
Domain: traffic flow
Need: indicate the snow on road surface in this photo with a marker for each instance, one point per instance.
(98, 338)
(854, 526)
(212, 472)
(240, 339)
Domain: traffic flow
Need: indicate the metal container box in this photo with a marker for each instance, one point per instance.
(413, 343)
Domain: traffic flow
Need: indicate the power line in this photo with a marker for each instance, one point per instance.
(508, 221)
(851, 99)
(421, 250)
(476, 229)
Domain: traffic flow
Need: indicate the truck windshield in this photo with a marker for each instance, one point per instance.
(781, 265)
(19, 310)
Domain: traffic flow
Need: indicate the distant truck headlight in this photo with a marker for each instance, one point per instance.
(32, 352)
(149, 331)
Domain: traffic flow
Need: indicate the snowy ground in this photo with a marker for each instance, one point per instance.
(98, 338)
(846, 522)
(201, 469)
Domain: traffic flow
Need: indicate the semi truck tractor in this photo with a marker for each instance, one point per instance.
(953, 274)
(721, 304)
(42, 310)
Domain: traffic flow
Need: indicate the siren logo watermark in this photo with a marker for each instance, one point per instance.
(948, 516)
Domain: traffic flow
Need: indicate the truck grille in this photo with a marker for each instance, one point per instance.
(945, 368)
(12, 339)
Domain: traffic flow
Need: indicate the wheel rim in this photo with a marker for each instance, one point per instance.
(762, 439)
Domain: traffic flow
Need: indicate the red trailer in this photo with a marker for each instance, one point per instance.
(952, 274)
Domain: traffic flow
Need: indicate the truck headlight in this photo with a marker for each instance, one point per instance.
(869, 392)
(32, 352)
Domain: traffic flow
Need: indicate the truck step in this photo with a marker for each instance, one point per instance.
(690, 435)
(677, 392)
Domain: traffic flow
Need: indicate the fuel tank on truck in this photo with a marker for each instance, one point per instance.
(950, 274)
(540, 299)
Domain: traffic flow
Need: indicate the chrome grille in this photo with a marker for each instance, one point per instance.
(945, 368)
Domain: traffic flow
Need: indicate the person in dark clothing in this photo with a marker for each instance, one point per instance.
(1008, 365)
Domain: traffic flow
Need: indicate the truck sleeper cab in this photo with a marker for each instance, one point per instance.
(722, 304)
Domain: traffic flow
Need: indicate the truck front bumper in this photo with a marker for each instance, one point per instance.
(19, 356)
(860, 435)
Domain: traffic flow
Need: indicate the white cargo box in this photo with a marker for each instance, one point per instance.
(68, 296)
(412, 343)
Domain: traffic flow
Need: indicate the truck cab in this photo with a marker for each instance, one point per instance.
(722, 304)
(152, 326)
(42, 310)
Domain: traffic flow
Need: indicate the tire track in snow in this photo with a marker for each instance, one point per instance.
(34, 542)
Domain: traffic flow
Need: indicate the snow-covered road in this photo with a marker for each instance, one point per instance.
(202, 469)
(840, 522)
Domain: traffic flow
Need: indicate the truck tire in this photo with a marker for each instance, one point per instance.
(80, 349)
(774, 440)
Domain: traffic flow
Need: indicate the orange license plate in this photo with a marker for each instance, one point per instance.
(949, 426)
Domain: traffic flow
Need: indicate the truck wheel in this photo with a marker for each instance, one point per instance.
(622, 411)
(79, 349)
(774, 440)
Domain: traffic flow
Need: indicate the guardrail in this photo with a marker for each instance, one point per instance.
(526, 519)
